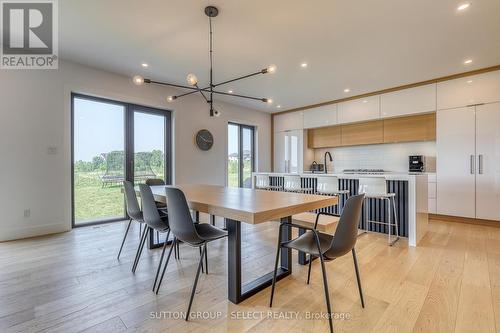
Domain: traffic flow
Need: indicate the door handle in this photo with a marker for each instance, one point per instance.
(472, 164)
(480, 160)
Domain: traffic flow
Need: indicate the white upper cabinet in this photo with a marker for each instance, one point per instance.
(321, 116)
(409, 101)
(359, 110)
(482, 88)
(288, 121)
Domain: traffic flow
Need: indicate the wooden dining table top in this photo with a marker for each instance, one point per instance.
(246, 205)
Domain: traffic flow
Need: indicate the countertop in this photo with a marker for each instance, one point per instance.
(386, 175)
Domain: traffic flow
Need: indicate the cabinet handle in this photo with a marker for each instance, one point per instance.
(472, 164)
(480, 164)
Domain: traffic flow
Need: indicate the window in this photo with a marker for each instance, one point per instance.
(241, 155)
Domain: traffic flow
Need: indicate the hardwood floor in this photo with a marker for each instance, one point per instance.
(72, 282)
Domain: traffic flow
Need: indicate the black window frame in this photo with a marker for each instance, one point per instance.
(240, 150)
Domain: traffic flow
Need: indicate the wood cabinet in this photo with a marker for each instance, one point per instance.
(288, 121)
(321, 116)
(411, 128)
(362, 133)
(359, 110)
(408, 101)
(476, 89)
(402, 129)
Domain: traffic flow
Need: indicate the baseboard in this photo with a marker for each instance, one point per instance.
(447, 218)
(10, 234)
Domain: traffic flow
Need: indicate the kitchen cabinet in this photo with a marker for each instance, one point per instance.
(476, 89)
(321, 116)
(288, 121)
(468, 162)
(362, 133)
(408, 101)
(410, 128)
(288, 151)
(359, 110)
(325, 137)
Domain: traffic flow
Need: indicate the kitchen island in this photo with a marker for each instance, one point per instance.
(411, 198)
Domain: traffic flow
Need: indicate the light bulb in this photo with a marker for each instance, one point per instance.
(271, 69)
(463, 6)
(171, 98)
(192, 80)
(269, 101)
(138, 80)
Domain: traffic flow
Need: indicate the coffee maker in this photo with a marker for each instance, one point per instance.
(416, 163)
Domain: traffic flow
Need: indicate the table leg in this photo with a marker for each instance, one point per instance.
(238, 292)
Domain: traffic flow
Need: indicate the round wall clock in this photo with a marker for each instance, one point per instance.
(204, 139)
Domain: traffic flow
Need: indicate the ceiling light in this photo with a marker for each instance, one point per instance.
(468, 61)
(138, 80)
(230, 91)
(267, 100)
(171, 98)
(278, 106)
(347, 90)
(192, 80)
(271, 69)
(463, 6)
(303, 65)
(365, 101)
(470, 81)
(144, 65)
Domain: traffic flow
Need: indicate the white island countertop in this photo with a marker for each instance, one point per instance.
(386, 175)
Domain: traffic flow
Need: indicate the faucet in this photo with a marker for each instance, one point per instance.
(331, 160)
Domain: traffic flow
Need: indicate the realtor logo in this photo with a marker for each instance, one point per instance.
(29, 34)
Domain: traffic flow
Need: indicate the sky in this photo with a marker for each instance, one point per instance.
(232, 140)
(99, 128)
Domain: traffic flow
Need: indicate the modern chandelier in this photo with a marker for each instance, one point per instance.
(192, 80)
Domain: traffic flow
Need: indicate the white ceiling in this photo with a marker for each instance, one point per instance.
(357, 44)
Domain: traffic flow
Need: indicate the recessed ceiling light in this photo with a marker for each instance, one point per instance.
(230, 91)
(144, 65)
(347, 90)
(468, 61)
(278, 106)
(463, 6)
(303, 65)
(365, 101)
(470, 81)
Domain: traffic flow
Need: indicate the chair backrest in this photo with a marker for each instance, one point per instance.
(261, 181)
(346, 233)
(154, 182)
(149, 209)
(327, 184)
(133, 209)
(372, 186)
(292, 183)
(179, 216)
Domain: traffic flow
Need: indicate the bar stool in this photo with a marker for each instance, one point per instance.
(294, 184)
(376, 188)
(329, 185)
(262, 182)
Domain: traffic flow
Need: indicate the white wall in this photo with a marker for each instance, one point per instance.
(35, 115)
(390, 157)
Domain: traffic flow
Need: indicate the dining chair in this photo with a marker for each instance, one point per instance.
(157, 182)
(185, 230)
(154, 222)
(133, 210)
(327, 247)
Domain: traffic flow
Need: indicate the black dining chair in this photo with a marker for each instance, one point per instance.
(157, 182)
(133, 210)
(327, 247)
(185, 230)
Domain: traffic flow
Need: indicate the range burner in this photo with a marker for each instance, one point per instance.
(365, 171)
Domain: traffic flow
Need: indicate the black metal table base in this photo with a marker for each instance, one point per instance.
(238, 292)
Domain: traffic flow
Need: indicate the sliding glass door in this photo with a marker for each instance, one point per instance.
(113, 142)
(241, 155)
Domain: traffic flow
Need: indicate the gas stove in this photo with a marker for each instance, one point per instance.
(365, 171)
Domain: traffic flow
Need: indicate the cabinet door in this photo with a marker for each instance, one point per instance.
(280, 146)
(488, 158)
(408, 101)
(359, 110)
(288, 121)
(321, 116)
(294, 151)
(455, 165)
(482, 88)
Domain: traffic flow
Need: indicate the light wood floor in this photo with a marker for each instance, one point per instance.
(72, 282)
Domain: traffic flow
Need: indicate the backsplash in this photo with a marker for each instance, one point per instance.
(390, 157)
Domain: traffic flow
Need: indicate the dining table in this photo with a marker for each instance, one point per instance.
(252, 206)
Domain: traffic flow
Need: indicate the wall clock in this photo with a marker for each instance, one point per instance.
(204, 139)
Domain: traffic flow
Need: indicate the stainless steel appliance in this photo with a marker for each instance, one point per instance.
(316, 167)
(416, 163)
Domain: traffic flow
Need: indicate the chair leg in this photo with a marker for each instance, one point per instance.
(161, 259)
(206, 258)
(124, 237)
(358, 278)
(139, 249)
(327, 293)
(309, 270)
(200, 265)
(275, 268)
(201, 255)
(178, 250)
(166, 264)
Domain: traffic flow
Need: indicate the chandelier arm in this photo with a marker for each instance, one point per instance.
(241, 96)
(171, 85)
(239, 78)
(202, 94)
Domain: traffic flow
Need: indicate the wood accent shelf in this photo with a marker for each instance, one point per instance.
(401, 129)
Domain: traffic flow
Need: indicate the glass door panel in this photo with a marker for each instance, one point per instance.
(240, 159)
(233, 155)
(247, 156)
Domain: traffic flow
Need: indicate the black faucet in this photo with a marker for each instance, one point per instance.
(331, 160)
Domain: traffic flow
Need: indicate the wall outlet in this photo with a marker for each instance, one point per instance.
(27, 213)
